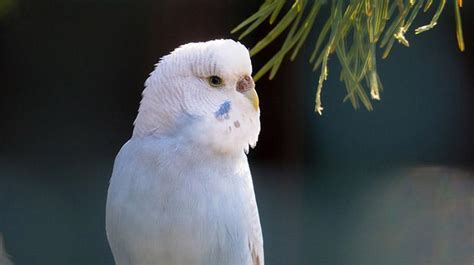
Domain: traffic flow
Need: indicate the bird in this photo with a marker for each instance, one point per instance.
(181, 190)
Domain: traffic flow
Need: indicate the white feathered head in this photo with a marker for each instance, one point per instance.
(202, 92)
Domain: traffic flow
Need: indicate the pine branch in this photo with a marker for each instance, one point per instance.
(352, 31)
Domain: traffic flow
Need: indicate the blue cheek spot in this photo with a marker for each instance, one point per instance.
(223, 111)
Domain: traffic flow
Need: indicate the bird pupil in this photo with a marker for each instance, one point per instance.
(215, 80)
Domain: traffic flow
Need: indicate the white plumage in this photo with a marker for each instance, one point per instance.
(181, 191)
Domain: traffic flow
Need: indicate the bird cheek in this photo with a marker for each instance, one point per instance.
(223, 112)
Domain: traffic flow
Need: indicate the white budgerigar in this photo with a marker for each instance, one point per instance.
(181, 191)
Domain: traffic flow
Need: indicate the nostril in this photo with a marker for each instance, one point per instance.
(245, 84)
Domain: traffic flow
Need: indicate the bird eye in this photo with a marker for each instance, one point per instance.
(215, 81)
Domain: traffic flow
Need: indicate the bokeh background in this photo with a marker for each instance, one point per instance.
(391, 186)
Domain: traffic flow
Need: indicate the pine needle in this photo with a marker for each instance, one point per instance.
(352, 30)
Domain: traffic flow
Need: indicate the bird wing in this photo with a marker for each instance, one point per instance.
(255, 233)
(256, 250)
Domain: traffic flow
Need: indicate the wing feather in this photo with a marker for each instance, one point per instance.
(255, 233)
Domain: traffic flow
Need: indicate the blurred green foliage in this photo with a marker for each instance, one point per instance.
(6, 6)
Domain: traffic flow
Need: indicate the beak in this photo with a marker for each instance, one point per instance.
(253, 97)
(246, 86)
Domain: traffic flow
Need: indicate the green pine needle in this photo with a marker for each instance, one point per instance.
(352, 31)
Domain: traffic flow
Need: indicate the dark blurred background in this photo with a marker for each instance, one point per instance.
(391, 186)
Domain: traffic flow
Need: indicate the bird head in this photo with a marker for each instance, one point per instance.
(202, 92)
